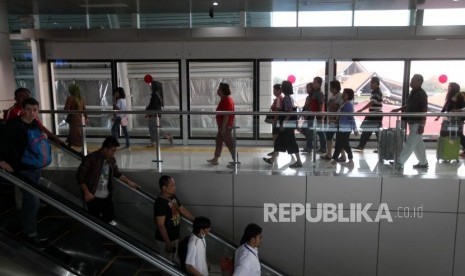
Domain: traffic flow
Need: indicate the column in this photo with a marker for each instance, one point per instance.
(7, 81)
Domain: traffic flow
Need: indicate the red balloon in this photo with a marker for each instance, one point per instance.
(443, 78)
(148, 78)
(291, 78)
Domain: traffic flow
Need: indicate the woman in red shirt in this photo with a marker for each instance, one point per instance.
(224, 123)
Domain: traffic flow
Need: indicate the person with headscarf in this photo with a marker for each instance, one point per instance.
(156, 103)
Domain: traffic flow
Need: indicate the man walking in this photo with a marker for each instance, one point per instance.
(371, 124)
(167, 216)
(417, 101)
(95, 177)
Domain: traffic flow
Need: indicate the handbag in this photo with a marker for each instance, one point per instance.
(124, 121)
(269, 119)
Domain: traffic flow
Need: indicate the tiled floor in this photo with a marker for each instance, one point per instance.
(194, 158)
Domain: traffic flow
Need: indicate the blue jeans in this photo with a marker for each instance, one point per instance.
(308, 133)
(115, 130)
(31, 203)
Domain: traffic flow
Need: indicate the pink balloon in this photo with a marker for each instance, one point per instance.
(291, 78)
(443, 78)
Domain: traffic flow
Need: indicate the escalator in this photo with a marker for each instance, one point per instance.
(76, 244)
(134, 214)
(97, 253)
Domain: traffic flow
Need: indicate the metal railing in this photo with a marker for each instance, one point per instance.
(140, 250)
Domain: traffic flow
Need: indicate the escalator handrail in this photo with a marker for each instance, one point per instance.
(212, 235)
(151, 199)
(140, 250)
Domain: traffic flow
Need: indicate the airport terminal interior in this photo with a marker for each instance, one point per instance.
(320, 218)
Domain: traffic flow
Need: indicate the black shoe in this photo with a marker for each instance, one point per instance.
(357, 148)
(420, 166)
(35, 241)
(375, 151)
(270, 153)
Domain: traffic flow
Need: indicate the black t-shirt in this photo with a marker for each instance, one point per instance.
(168, 208)
(417, 101)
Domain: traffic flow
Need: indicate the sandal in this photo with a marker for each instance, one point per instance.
(325, 157)
(213, 162)
(341, 159)
(296, 165)
(268, 160)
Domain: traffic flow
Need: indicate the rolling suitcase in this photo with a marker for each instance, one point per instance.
(448, 147)
(391, 141)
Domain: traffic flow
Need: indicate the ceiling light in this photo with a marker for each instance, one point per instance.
(215, 3)
(104, 5)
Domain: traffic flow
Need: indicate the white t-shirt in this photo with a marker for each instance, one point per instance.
(102, 188)
(197, 254)
(122, 106)
(246, 262)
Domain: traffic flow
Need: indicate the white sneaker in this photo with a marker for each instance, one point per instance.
(113, 223)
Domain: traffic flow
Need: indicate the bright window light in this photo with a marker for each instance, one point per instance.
(325, 18)
(382, 18)
(283, 19)
(442, 17)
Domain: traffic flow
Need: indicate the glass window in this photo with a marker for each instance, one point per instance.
(440, 17)
(94, 81)
(204, 78)
(357, 76)
(258, 19)
(325, 18)
(437, 74)
(110, 21)
(22, 65)
(138, 93)
(164, 20)
(57, 21)
(283, 19)
(298, 72)
(18, 22)
(216, 19)
(381, 18)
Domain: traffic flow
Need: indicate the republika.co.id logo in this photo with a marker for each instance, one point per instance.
(336, 212)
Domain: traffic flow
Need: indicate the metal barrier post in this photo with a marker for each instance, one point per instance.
(84, 140)
(235, 162)
(314, 141)
(158, 160)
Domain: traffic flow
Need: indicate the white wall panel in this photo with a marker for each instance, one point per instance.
(421, 246)
(204, 188)
(346, 190)
(459, 264)
(255, 190)
(462, 196)
(433, 195)
(220, 217)
(342, 249)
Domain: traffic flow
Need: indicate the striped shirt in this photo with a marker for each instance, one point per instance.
(377, 100)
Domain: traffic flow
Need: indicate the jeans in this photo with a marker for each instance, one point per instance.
(308, 133)
(31, 203)
(115, 130)
(102, 208)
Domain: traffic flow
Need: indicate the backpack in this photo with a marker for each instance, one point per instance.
(182, 251)
(38, 153)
